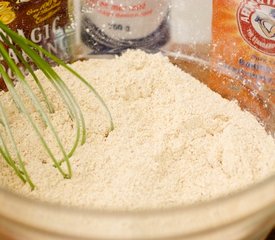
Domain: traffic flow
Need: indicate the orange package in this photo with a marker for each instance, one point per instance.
(244, 50)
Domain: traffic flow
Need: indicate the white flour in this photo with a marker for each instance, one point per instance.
(175, 141)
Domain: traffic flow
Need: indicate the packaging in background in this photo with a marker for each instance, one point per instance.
(245, 48)
(43, 22)
(109, 27)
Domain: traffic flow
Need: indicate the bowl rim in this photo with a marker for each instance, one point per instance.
(242, 193)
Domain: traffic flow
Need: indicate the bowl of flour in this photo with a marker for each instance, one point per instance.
(183, 162)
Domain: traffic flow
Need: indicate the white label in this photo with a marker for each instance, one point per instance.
(126, 20)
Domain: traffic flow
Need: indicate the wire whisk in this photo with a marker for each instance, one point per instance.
(9, 150)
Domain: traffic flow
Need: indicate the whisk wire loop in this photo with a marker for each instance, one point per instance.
(26, 51)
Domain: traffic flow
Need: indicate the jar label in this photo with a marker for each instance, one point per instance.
(120, 24)
(42, 22)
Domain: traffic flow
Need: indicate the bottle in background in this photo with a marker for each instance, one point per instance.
(109, 27)
(43, 22)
